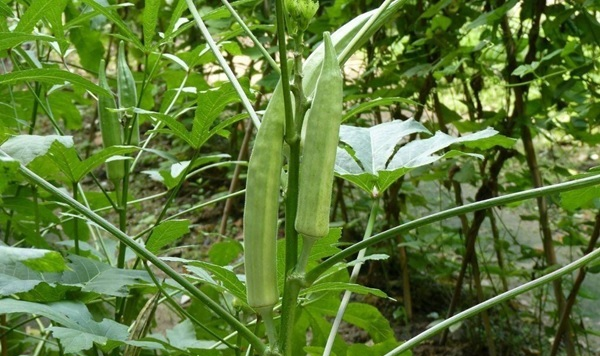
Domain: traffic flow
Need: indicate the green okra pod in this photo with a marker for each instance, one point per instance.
(319, 149)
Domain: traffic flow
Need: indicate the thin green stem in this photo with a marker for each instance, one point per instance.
(76, 221)
(257, 43)
(142, 252)
(353, 277)
(291, 136)
(267, 316)
(358, 37)
(464, 209)
(223, 63)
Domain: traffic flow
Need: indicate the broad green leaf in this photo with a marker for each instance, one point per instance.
(88, 43)
(373, 162)
(183, 337)
(36, 259)
(368, 318)
(581, 198)
(34, 13)
(78, 330)
(98, 277)
(150, 19)
(223, 253)
(341, 287)
(10, 40)
(112, 15)
(51, 76)
(167, 232)
(26, 148)
(229, 280)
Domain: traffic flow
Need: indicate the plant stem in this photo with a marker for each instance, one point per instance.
(223, 63)
(353, 277)
(76, 220)
(142, 252)
(257, 43)
(313, 274)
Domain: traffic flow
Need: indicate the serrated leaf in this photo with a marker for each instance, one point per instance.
(36, 10)
(76, 322)
(150, 19)
(98, 277)
(211, 104)
(51, 76)
(341, 287)
(26, 148)
(228, 278)
(167, 232)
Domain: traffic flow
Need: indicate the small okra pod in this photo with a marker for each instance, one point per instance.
(127, 94)
(110, 126)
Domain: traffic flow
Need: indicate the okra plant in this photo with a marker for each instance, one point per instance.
(278, 283)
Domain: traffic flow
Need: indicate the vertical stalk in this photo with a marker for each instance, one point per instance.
(353, 277)
(76, 220)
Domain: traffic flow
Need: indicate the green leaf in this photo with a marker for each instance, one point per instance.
(26, 148)
(78, 330)
(9, 171)
(580, 198)
(183, 337)
(150, 19)
(211, 104)
(112, 15)
(373, 161)
(10, 40)
(225, 252)
(342, 287)
(98, 277)
(51, 76)
(5, 10)
(34, 13)
(213, 274)
(167, 232)
(36, 259)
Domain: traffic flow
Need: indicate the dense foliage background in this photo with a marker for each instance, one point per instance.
(528, 69)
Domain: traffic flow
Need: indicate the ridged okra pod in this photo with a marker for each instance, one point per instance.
(127, 94)
(319, 148)
(262, 208)
(110, 126)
